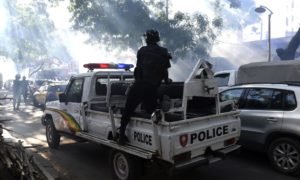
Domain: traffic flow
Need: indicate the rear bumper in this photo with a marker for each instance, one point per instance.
(206, 159)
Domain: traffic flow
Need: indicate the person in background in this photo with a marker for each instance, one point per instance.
(152, 66)
(17, 92)
(24, 89)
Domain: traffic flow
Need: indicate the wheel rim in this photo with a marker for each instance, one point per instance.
(286, 156)
(49, 133)
(121, 166)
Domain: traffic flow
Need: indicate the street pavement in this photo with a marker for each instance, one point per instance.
(88, 161)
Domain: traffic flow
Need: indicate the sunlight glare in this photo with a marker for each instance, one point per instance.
(7, 68)
(3, 18)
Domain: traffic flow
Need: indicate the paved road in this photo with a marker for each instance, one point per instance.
(87, 161)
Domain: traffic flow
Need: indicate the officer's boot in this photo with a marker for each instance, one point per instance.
(121, 140)
(289, 52)
(122, 137)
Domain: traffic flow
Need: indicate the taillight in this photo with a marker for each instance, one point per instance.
(230, 141)
(182, 157)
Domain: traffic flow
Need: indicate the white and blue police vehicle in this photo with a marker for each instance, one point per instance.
(189, 129)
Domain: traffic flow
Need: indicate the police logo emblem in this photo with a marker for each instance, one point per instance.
(183, 140)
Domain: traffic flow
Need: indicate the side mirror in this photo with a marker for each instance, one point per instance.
(62, 97)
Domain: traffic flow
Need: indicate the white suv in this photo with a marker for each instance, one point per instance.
(270, 119)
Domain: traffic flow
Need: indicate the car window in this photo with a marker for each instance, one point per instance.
(75, 91)
(232, 94)
(39, 82)
(43, 88)
(290, 101)
(104, 79)
(222, 79)
(259, 99)
(128, 78)
(276, 101)
(264, 99)
(56, 88)
(101, 87)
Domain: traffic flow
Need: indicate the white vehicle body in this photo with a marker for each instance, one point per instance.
(180, 136)
(259, 72)
(226, 78)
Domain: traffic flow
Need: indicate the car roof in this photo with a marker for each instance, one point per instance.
(224, 71)
(58, 84)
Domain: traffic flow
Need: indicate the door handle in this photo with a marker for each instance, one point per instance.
(271, 119)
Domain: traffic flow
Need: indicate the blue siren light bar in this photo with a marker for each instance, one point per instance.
(92, 66)
(124, 66)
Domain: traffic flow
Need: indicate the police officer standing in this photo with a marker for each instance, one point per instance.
(17, 89)
(152, 66)
(25, 85)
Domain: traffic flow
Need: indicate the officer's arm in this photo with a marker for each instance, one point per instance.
(166, 77)
(168, 65)
(137, 70)
(167, 80)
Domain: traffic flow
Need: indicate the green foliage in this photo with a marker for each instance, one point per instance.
(236, 14)
(29, 36)
(121, 23)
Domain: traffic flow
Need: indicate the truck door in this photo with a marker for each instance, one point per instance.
(74, 98)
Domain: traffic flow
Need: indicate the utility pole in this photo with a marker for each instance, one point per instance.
(167, 9)
(262, 9)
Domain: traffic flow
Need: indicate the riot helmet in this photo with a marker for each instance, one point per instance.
(152, 36)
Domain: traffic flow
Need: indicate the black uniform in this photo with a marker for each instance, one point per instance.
(17, 90)
(25, 85)
(152, 66)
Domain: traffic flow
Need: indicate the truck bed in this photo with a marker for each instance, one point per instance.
(170, 98)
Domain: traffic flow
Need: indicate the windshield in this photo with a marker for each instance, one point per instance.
(57, 88)
(222, 79)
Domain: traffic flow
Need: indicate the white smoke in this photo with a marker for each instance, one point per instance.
(76, 42)
(7, 68)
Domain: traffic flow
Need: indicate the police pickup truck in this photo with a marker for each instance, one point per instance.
(188, 129)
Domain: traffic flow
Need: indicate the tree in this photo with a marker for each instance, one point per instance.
(121, 23)
(29, 39)
(238, 14)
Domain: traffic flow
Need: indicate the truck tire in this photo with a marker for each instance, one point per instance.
(53, 137)
(284, 155)
(124, 166)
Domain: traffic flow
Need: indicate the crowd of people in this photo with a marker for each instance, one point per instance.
(20, 89)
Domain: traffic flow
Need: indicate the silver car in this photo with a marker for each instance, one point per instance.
(270, 118)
